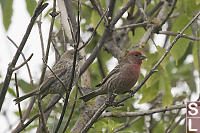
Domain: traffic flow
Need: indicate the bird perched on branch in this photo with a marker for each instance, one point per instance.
(56, 85)
(121, 79)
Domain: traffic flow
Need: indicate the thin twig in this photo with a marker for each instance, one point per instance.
(106, 33)
(127, 125)
(175, 34)
(141, 9)
(71, 30)
(71, 14)
(95, 6)
(100, 6)
(39, 22)
(142, 113)
(57, 54)
(169, 13)
(40, 7)
(73, 69)
(94, 118)
(53, 15)
(172, 121)
(44, 126)
(19, 107)
(153, 27)
(132, 25)
(55, 75)
(27, 65)
(82, 3)
(101, 68)
(94, 31)
(72, 111)
(176, 124)
(28, 110)
(98, 113)
(25, 62)
(50, 106)
(158, 63)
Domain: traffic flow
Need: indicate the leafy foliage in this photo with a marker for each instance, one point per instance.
(174, 70)
(7, 10)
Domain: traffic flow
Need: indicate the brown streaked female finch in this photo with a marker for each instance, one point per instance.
(121, 79)
(51, 84)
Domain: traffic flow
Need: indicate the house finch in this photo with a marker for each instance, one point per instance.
(121, 79)
(51, 84)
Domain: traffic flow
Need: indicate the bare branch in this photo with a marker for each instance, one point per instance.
(50, 106)
(19, 107)
(72, 111)
(132, 25)
(40, 7)
(73, 68)
(176, 124)
(142, 113)
(39, 23)
(127, 124)
(55, 75)
(44, 126)
(21, 65)
(172, 121)
(158, 63)
(98, 113)
(106, 33)
(90, 38)
(175, 34)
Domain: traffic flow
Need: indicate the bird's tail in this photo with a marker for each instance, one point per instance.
(91, 95)
(19, 99)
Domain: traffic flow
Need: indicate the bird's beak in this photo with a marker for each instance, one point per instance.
(142, 57)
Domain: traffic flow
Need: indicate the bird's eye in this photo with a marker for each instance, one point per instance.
(136, 55)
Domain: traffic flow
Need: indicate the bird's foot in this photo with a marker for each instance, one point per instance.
(116, 104)
(110, 99)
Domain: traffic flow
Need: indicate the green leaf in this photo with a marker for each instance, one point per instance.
(149, 94)
(95, 19)
(151, 60)
(7, 11)
(12, 92)
(153, 79)
(139, 32)
(164, 83)
(161, 52)
(30, 6)
(24, 86)
(182, 44)
(195, 55)
(159, 128)
(137, 127)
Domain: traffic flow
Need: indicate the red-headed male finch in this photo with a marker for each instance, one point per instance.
(121, 79)
(51, 85)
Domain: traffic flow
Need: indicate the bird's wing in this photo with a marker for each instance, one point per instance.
(59, 70)
(115, 70)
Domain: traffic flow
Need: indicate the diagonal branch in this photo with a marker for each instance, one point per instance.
(40, 7)
(175, 34)
(131, 94)
(158, 63)
(73, 68)
(106, 33)
(21, 65)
